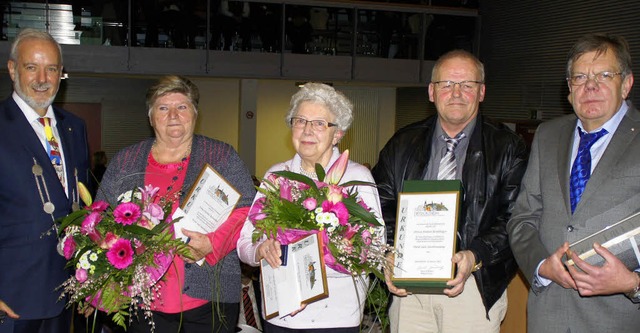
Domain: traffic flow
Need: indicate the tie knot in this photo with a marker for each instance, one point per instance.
(588, 139)
(44, 121)
(452, 143)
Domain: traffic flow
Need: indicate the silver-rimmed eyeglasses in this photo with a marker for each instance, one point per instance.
(316, 125)
(466, 86)
(602, 77)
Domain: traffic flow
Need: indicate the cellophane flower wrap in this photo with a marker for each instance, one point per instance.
(119, 253)
(295, 206)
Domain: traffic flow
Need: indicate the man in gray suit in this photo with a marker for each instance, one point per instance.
(551, 212)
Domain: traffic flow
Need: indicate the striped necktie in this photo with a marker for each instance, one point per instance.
(447, 169)
(53, 149)
(249, 316)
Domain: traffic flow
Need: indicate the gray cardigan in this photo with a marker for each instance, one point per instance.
(126, 171)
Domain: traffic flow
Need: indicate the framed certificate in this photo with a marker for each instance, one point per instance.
(208, 204)
(425, 238)
(300, 279)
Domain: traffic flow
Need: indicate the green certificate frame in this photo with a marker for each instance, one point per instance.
(425, 238)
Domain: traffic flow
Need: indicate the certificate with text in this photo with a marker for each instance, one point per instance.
(300, 279)
(208, 204)
(425, 238)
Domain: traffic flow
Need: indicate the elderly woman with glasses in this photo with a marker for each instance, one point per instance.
(192, 298)
(318, 117)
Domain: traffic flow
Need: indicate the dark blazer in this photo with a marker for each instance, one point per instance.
(30, 267)
(542, 221)
(495, 161)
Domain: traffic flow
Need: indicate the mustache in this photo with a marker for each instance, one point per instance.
(41, 86)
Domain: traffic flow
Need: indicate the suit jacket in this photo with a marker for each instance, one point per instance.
(542, 221)
(31, 268)
(496, 159)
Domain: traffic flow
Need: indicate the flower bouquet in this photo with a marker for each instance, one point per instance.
(295, 206)
(119, 254)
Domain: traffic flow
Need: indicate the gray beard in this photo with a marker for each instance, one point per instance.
(32, 102)
(29, 100)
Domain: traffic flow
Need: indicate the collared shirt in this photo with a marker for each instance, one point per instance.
(597, 150)
(439, 149)
(32, 117)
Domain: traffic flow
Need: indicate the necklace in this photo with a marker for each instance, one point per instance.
(304, 172)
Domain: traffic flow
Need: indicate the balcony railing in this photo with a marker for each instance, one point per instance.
(353, 28)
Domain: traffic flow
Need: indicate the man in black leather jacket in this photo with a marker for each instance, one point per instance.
(491, 160)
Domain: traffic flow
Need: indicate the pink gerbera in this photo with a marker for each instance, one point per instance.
(121, 254)
(127, 213)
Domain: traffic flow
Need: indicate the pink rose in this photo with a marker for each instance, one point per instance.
(310, 203)
(153, 213)
(81, 275)
(109, 240)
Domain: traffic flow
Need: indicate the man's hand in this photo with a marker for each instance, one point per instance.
(199, 245)
(387, 277)
(5, 308)
(611, 278)
(465, 261)
(553, 269)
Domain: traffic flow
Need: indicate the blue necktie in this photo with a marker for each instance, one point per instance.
(581, 169)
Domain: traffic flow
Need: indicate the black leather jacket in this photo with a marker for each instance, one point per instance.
(495, 163)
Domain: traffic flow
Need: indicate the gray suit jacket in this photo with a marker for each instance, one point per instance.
(542, 221)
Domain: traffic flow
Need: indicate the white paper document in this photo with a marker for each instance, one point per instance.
(301, 278)
(208, 204)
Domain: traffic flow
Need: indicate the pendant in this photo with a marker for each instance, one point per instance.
(36, 169)
(49, 207)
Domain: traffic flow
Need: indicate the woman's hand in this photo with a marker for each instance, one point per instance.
(270, 251)
(199, 245)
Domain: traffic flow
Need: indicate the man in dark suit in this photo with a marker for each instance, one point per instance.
(40, 170)
(553, 211)
(490, 160)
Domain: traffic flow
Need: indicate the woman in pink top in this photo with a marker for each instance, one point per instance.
(192, 298)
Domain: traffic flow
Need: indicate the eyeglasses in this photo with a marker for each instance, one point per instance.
(602, 77)
(316, 125)
(466, 86)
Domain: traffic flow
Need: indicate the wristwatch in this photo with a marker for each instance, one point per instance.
(477, 267)
(635, 293)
